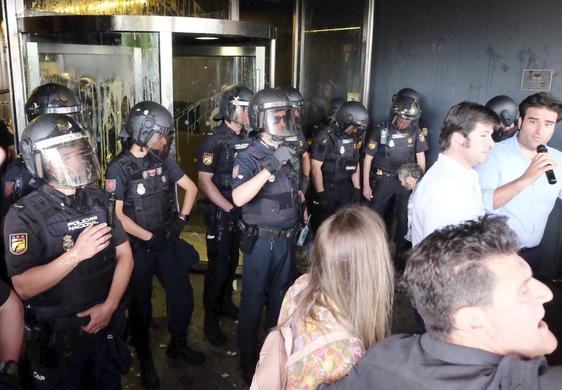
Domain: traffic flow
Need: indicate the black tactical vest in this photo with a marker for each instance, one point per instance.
(149, 196)
(86, 285)
(230, 145)
(398, 149)
(341, 159)
(277, 204)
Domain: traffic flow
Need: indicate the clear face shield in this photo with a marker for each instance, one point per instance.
(159, 144)
(239, 115)
(68, 160)
(279, 123)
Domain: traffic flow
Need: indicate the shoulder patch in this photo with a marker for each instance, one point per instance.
(235, 171)
(110, 185)
(18, 243)
(8, 188)
(372, 145)
(208, 158)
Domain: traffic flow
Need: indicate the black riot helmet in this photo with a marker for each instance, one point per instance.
(407, 92)
(233, 105)
(271, 111)
(57, 149)
(296, 100)
(150, 125)
(352, 114)
(505, 108)
(406, 107)
(333, 107)
(52, 98)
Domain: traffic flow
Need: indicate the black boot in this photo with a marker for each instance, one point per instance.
(178, 348)
(148, 375)
(248, 363)
(212, 330)
(230, 310)
(140, 331)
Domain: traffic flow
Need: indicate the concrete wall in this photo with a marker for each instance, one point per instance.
(451, 50)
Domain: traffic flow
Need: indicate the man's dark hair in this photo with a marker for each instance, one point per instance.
(448, 270)
(462, 118)
(541, 100)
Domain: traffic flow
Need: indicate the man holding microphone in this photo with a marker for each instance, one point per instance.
(513, 179)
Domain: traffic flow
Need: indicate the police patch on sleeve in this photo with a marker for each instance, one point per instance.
(208, 158)
(235, 171)
(18, 243)
(8, 188)
(110, 185)
(372, 145)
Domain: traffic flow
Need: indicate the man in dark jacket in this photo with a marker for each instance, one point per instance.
(483, 312)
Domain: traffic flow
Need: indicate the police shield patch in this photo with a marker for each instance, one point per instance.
(208, 158)
(18, 243)
(110, 185)
(372, 145)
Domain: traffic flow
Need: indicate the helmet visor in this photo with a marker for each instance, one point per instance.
(68, 160)
(159, 144)
(279, 122)
(240, 115)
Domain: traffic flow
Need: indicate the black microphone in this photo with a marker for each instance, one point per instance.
(550, 173)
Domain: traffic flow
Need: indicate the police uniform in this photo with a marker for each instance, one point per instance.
(16, 183)
(391, 149)
(339, 155)
(38, 229)
(218, 150)
(146, 187)
(269, 267)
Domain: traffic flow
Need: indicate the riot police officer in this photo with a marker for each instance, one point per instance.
(48, 98)
(422, 124)
(335, 161)
(218, 149)
(142, 180)
(298, 142)
(265, 184)
(390, 145)
(66, 262)
(508, 111)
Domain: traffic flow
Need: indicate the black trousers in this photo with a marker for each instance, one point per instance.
(266, 276)
(223, 243)
(336, 196)
(171, 264)
(390, 201)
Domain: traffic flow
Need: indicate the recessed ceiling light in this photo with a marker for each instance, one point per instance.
(206, 38)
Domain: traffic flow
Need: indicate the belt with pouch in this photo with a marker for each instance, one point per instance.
(273, 234)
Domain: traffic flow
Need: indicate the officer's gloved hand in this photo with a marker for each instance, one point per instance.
(282, 154)
(157, 241)
(356, 195)
(235, 213)
(324, 201)
(175, 227)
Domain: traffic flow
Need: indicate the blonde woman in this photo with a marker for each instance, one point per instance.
(349, 290)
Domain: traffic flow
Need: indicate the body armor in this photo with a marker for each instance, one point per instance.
(277, 204)
(341, 160)
(231, 145)
(149, 200)
(396, 148)
(89, 283)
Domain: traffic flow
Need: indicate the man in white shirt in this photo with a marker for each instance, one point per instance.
(450, 192)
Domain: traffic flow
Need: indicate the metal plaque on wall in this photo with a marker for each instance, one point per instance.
(536, 79)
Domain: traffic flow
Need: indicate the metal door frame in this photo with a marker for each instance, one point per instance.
(17, 24)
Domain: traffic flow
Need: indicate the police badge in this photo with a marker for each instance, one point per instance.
(141, 189)
(67, 242)
(342, 150)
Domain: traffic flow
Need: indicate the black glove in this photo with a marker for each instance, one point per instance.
(157, 241)
(235, 213)
(356, 198)
(175, 227)
(282, 154)
(324, 200)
